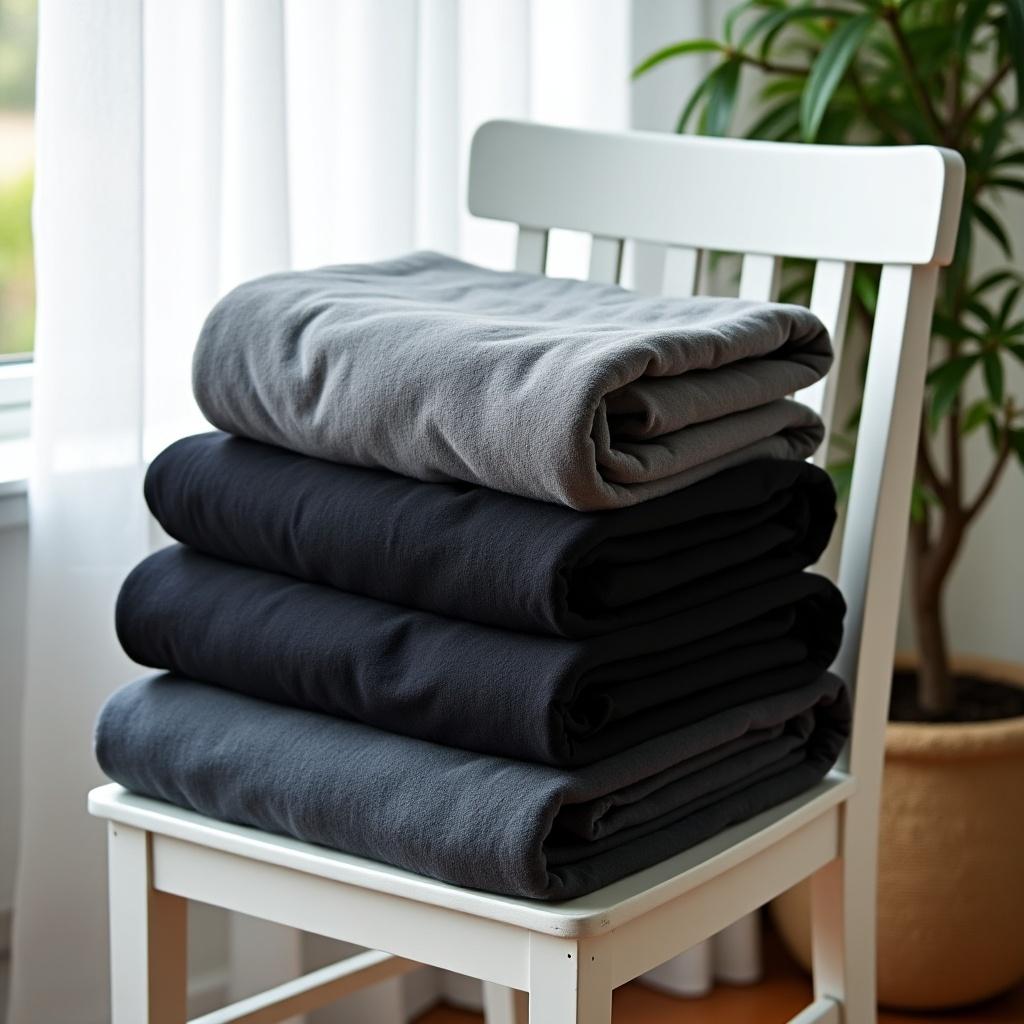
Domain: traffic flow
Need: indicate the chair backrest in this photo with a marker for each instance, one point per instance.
(835, 205)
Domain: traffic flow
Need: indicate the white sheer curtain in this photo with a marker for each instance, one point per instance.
(183, 147)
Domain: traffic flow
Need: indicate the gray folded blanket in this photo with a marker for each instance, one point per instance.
(583, 394)
(472, 819)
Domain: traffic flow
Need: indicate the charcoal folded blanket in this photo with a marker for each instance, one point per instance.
(568, 391)
(443, 547)
(485, 689)
(474, 820)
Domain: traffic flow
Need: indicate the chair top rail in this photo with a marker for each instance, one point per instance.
(863, 204)
(596, 912)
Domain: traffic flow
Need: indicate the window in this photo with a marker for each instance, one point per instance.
(17, 285)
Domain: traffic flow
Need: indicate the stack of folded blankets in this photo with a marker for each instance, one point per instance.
(493, 577)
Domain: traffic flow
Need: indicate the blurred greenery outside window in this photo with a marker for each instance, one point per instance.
(17, 102)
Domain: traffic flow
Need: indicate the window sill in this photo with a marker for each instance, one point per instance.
(13, 503)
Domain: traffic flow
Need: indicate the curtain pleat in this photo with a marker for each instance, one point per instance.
(183, 114)
(87, 525)
(437, 126)
(184, 147)
(255, 233)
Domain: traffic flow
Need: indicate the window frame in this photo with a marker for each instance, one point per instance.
(17, 374)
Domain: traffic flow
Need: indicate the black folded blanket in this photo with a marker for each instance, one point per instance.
(474, 820)
(485, 689)
(486, 556)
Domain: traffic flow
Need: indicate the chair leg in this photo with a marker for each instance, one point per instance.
(569, 982)
(843, 936)
(504, 1005)
(147, 937)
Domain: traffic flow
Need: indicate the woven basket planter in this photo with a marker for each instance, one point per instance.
(951, 862)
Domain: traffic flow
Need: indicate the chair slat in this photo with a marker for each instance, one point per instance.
(759, 278)
(830, 302)
(867, 204)
(531, 250)
(875, 534)
(682, 271)
(605, 260)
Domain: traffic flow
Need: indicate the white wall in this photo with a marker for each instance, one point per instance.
(985, 600)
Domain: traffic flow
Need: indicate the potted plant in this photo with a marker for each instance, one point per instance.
(949, 73)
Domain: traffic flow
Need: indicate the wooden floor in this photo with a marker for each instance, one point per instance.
(784, 992)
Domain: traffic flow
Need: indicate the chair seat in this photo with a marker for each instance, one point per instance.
(596, 912)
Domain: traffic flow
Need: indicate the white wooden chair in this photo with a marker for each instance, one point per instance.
(836, 205)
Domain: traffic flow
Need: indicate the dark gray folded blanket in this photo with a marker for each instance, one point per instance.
(477, 687)
(484, 822)
(583, 394)
(484, 556)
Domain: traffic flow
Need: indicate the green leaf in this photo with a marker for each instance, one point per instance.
(945, 381)
(920, 498)
(730, 19)
(761, 24)
(1015, 40)
(778, 123)
(798, 289)
(976, 415)
(1009, 301)
(993, 135)
(991, 280)
(842, 476)
(1017, 444)
(806, 12)
(789, 85)
(1014, 184)
(989, 222)
(994, 436)
(677, 50)
(968, 23)
(722, 98)
(983, 313)
(691, 104)
(1018, 351)
(992, 367)
(946, 327)
(835, 126)
(960, 267)
(865, 287)
(828, 70)
(729, 24)
(917, 503)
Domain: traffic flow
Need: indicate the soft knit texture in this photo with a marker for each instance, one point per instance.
(568, 391)
(477, 687)
(484, 556)
(479, 821)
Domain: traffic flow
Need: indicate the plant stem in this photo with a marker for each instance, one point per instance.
(917, 87)
(954, 455)
(927, 464)
(930, 564)
(936, 691)
(992, 479)
(766, 65)
(970, 111)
